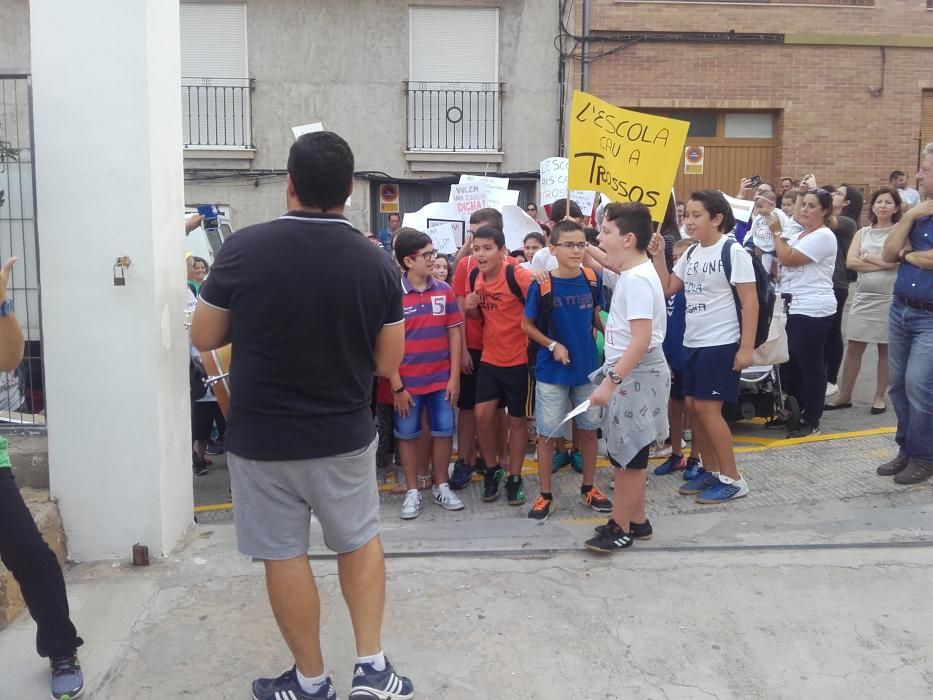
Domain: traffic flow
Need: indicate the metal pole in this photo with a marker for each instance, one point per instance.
(585, 75)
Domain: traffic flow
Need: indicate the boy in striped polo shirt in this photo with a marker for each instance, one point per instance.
(425, 382)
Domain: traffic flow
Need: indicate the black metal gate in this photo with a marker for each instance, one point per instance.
(22, 396)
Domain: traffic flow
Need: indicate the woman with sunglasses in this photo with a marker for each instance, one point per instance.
(806, 262)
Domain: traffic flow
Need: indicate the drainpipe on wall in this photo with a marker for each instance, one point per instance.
(585, 73)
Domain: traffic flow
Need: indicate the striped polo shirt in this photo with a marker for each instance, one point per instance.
(428, 314)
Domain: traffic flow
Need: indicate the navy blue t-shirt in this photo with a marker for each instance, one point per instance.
(676, 325)
(572, 320)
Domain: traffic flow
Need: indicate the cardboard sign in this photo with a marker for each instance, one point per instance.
(492, 183)
(629, 156)
(419, 220)
(388, 199)
(307, 129)
(585, 199)
(553, 180)
(468, 197)
(501, 198)
(516, 224)
(741, 208)
(445, 238)
(693, 160)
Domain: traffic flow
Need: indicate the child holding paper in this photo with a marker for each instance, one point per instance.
(559, 316)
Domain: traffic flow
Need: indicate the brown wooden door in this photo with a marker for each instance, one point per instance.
(725, 163)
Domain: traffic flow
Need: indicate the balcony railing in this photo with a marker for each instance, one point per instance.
(454, 116)
(216, 112)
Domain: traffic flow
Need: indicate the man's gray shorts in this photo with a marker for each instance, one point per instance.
(273, 501)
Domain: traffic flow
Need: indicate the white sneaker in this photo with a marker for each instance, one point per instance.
(831, 389)
(411, 508)
(688, 435)
(661, 449)
(601, 448)
(446, 498)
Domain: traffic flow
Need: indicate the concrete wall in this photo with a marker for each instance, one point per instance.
(14, 36)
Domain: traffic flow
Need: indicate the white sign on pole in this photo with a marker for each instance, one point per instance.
(553, 182)
(445, 238)
(468, 197)
(741, 208)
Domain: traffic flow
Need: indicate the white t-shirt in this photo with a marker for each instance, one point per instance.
(712, 318)
(543, 261)
(812, 284)
(637, 295)
(763, 235)
(910, 196)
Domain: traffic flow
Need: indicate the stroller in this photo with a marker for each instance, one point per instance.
(760, 392)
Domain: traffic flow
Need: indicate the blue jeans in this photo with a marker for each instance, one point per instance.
(440, 417)
(910, 358)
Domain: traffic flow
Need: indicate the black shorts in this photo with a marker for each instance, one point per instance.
(508, 385)
(639, 461)
(677, 387)
(467, 399)
(203, 415)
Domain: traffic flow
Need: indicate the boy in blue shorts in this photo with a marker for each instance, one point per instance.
(717, 346)
(425, 382)
(559, 318)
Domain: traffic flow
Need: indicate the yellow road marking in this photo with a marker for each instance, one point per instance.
(212, 507)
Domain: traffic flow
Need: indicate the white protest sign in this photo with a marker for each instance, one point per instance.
(468, 197)
(516, 225)
(418, 220)
(501, 198)
(492, 183)
(445, 238)
(553, 182)
(741, 208)
(585, 199)
(307, 129)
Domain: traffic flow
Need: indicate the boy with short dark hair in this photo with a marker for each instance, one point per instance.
(498, 294)
(427, 381)
(559, 318)
(634, 382)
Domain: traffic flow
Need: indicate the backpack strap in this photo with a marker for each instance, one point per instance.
(474, 273)
(514, 286)
(727, 270)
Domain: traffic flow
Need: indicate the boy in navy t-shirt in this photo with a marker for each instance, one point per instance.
(566, 357)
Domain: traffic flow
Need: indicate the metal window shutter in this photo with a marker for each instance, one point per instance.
(926, 119)
(213, 40)
(454, 44)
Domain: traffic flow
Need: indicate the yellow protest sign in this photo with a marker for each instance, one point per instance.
(628, 156)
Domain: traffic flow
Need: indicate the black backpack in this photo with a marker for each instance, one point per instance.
(509, 280)
(764, 289)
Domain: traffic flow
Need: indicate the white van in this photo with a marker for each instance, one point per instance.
(204, 244)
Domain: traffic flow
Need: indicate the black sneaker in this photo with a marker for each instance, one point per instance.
(917, 470)
(893, 467)
(515, 491)
(541, 509)
(805, 429)
(198, 464)
(67, 680)
(611, 539)
(215, 448)
(461, 476)
(491, 480)
(641, 531)
(370, 684)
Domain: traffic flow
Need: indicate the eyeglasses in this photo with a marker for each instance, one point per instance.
(820, 191)
(572, 246)
(427, 255)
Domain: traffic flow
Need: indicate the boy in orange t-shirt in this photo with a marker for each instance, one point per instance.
(498, 297)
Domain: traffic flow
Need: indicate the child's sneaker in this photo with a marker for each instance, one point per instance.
(370, 684)
(287, 686)
(411, 506)
(576, 461)
(672, 464)
(515, 491)
(611, 539)
(491, 480)
(693, 469)
(559, 461)
(446, 498)
(541, 509)
(597, 500)
(461, 476)
(725, 489)
(661, 449)
(641, 531)
(698, 485)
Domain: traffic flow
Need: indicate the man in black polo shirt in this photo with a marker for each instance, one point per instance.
(313, 311)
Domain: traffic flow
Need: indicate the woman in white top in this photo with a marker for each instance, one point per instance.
(806, 263)
(874, 290)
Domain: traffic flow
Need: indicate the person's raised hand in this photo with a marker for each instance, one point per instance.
(5, 273)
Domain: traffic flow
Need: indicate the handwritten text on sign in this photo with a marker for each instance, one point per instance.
(629, 156)
(468, 197)
(444, 237)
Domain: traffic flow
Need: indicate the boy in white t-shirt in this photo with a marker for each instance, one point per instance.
(634, 382)
(717, 347)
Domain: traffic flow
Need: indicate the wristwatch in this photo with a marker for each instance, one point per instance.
(6, 307)
(399, 390)
(614, 377)
(550, 348)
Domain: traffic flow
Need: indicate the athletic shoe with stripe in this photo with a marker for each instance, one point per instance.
(596, 499)
(67, 680)
(725, 489)
(699, 484)
(370, 684)
(287, 687)
(612, 538)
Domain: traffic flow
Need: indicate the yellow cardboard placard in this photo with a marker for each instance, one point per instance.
(628, 156)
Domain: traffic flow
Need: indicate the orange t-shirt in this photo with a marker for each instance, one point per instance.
(461, 287)
(504, 342)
